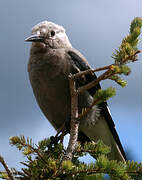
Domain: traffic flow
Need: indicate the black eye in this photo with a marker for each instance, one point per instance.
(52, 33)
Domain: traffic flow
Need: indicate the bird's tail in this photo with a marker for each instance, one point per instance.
(102, 131)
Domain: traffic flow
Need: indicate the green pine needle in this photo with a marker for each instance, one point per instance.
(129, 44)
(104, 95)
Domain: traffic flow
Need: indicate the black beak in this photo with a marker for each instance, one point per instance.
(35, 38)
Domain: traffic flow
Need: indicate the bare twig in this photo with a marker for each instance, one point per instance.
(89, 71)
(25, 164)
(26, 172)
(9, 173)
(104, 76)
(74, 121)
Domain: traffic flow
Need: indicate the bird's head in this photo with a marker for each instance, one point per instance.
(49, 35)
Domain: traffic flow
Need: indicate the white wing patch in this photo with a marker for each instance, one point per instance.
(108, 110)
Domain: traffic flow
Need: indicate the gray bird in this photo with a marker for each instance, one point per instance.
(52, 59)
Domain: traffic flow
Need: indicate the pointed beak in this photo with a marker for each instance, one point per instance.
(35, 38)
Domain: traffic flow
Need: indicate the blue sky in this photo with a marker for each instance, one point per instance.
(95, 28)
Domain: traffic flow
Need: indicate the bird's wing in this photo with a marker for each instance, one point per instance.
(81, 63)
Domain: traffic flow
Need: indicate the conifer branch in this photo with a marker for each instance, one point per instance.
(9, 173)
(74, 120)
(28, 148)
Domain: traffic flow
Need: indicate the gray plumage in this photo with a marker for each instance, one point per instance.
(52, 59)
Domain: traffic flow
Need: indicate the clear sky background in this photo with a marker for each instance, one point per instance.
(94, 27)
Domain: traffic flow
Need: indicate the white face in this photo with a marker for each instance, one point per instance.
(53, 34)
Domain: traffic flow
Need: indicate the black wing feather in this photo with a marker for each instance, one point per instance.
(82, 65)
